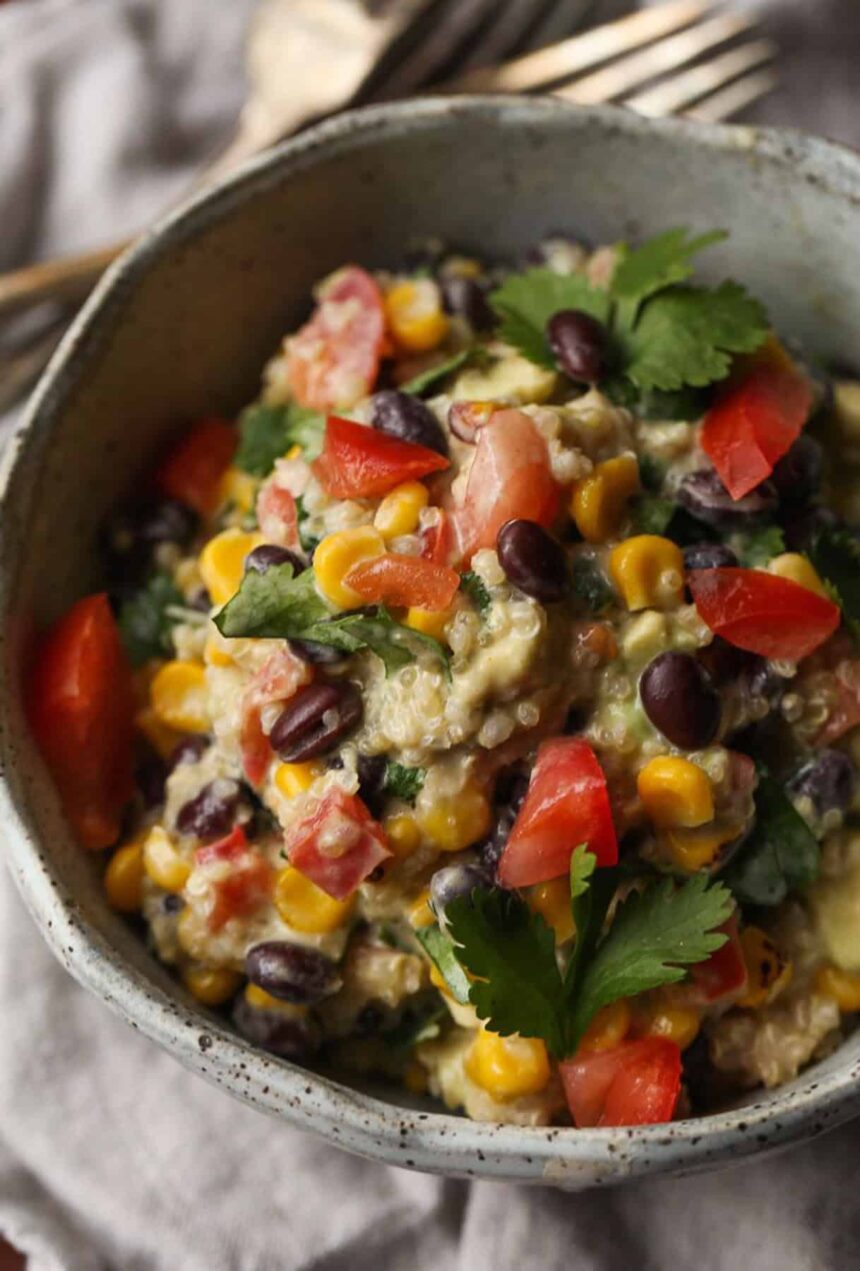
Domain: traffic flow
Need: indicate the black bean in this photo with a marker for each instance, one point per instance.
(200, 600)
(292, 972)
(679, 699)
(406, 417)
(133, 533)
(709, 556)
(213, 812)
(828, 779)
(725, 663)
(289, 1038)
(799, 529)
(705, 497)
(456, 880)
(797, 475)
(269, 554)
(315, 720)
(578, 342)
(371, 781)
(315, 653)
(189, 750)
(533, 560)
(467, 298)
(150, 776)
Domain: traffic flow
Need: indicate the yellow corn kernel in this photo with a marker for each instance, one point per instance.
(403, 834)
(190, 934)
(599, 500)
(400, 510)
(163, 862)
(768, 972)
(648, 572)
(609, 1026)
(214, 653)
(415, 1077)
(415, 317)
(294, 778)
(798, 569)
(842, 986)
(437, 979)
(458, 821)
(213, 986)
(507, 1067)
(675, 792)
(124, 877)
(294, 452)
(263, 1001)
(421, 915)
(678, 1024)
(552, 901)
(239, 488)
(179, 697)
(337, 554)
(692, 850)
(163, 739)
(307, 908)
(222, 562)
(431, 621)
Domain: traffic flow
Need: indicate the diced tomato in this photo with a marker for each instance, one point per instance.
(338, 844)
(724, 974)
(244, 883)
(635, 1083)
(399, 580)
(566, 804)
(437, 541)
(510, 478)
(194, 467)
(333, 361)
(756, 420)
(359, 462)
(763, 613)
(277, 515)
(276, 681)
(80, 707)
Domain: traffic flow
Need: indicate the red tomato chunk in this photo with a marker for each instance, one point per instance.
(635, 1083)
(193, 469)
(337, 845)
(398, 580)
(763, 613)
(245, 882)
(360, 463)
(333, 361)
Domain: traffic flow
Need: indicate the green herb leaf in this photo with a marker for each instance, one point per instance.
(658, 263)
(582, 866)
(526, 302)
(590, 584)
(145, 621)
(309, 542)
(652, 513)
(512, 950)
(591, 893)
(757, 547)
(475, 588)
(434, 375)
(402, 782)
(652, 473)
(267, 432)
(439, 948)
(781, 854)
(835, 554)
(416, 1026)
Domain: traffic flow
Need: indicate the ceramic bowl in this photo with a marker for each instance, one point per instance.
(180, 328)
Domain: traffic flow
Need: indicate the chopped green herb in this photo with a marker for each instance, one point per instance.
(526, 302)
(416, 1026)
(652, 473)
(402, 782)
(590, 584)
(440, 950)
(475, 588)
(835, 554)
(267, 432)
(757, 547)
(147, 618)
(651, 514)
(434, 375)
(780, 854)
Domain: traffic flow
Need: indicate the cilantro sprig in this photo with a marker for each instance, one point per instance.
(665, 334)
(403, 782)
(780, 854)
(472, 585)
(147, 618)
(267, 432)
(835, 553)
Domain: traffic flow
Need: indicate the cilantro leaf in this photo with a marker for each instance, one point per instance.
(686, 335)
(781, 853)
(757, 547)
(590, 584)
(658, 263)
(835, 554)
(652, 513)
(267, 432)
(403, 782)
(512, 950)
(654, 936)
(439, 948)
(526, 302)
(582, 866)
(434, 375)
(476, 590)
(591, 893)
(145, 621)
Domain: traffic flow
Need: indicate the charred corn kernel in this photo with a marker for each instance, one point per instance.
(458, 821)
(431, 622)
(337, 554)
(415, 316)
(675, 792)
(678, 1024)
(263, 1001)
(213, 986)
(124, 877)
(400, 510)
(421, 915)
(691, 850)
(768, 972)
(294, 778)
(798, 569)
(552, 901)
(162, 738)
(842, 986)
(507, 1067)
(609, 1027)
(599, 501)
(648, 572)
(179, 697)
(163, 862)
(222, 562)
(214, 653)
(415, 1077)
(307, 908)
(239, 488)
(403, 834)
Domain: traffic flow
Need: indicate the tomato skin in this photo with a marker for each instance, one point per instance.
(510, 478)
(193, 469)
(635, 1083)
(359, 462)
(437, 541)
(404, 581)
(763, 613)
(566, 804)
(248, 884)
(338, 844)
(333, 361)
(756, 420)
(80, 707)
(276, 681)
(277, 515)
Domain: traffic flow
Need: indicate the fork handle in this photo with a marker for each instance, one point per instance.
(67, 278)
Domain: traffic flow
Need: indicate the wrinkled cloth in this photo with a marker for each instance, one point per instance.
(111, 1154)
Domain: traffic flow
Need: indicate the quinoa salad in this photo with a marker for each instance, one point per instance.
(479, 710)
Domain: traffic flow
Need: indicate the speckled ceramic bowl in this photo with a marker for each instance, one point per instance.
(181, 326)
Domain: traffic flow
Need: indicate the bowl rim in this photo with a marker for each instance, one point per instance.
(432, 1141)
